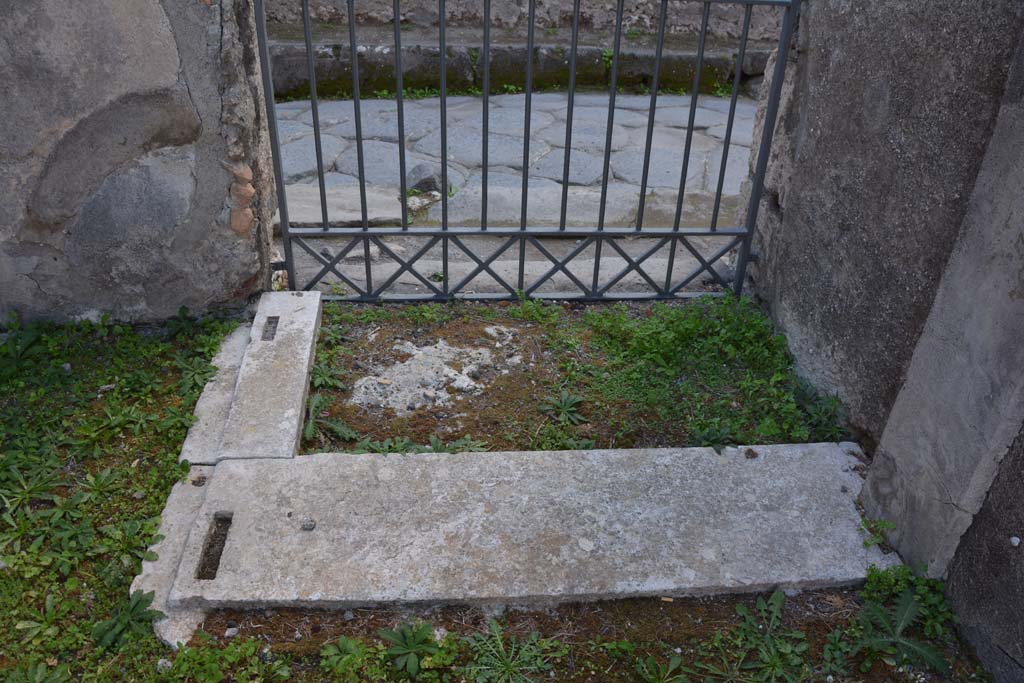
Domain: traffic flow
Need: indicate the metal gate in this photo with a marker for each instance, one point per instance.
(362, 248)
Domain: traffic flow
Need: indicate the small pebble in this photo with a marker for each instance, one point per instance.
(163, 665)
(67, 368)
(308, 524)
(348, 615)
(139, 495)
(231, 632)
(1015, 541)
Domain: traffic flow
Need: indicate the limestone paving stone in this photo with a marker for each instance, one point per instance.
(292, 130)
(741, 135)
(266, 414)
(465, 148)
(584, 168)
(504, 206)
(623, 117)
(331, 112)
(545, 101)
(737, 169)
(666, 165)
(417, 122)
(510, 121)
(745, 108)
(332, 179)
(529, 527)
(343, 205)
(679, 117)
(589, 137)
(381, 167)
(298, 158)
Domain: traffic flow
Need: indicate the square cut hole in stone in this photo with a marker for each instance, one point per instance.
(270, 328)
(213, 547)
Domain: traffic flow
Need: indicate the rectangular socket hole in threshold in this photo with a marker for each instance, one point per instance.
(270, 327)
(216, 537)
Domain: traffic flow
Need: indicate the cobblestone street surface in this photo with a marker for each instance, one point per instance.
(505, 166)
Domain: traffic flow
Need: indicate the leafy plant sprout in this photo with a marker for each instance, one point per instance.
(563, 408)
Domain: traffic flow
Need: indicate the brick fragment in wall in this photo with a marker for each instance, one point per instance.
(242, 194)
(242, 172)
(242, 221)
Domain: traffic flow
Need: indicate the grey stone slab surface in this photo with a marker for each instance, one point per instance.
(504, 203)
(529, 526)
(585, 168)
(741, 135)
(665, 166)
(381, 167)
(298, 158)
(547, 101)
(623, 117)
(332, 179)
(745, 107)
(343, 204)
(157, 576)
(266, 415)
(417, 121)
(679, 117)
(737, 170)
(288, 131)
(465, 148)
(203, 440)
(338, 111)
(510, 120)
(587, 137)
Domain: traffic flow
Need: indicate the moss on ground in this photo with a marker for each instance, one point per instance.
(709, 373)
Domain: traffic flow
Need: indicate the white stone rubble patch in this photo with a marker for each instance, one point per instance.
(431, 375)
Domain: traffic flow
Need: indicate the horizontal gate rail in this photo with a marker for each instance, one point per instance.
(359, 239)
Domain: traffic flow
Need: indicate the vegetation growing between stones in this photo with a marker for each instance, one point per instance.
(92, 417)
(711, 373)
(767, 638)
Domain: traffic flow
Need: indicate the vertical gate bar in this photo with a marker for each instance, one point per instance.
(399, 87)
(486, 112)
(275, 143)
(650, 115)
(732, 117)
(613, 89)
(357, 116)
(569, 110)
(689, 140)
(792, 11)
(531, 17)
(444, 143)
(307, 33)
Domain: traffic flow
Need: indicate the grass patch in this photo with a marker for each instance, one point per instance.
(708, 373)
(92, 417)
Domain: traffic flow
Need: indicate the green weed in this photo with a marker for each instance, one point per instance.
(497, 658)
(410, 643)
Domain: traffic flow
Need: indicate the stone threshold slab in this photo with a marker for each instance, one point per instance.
(528, 527)
(268, 405)
(204, 436)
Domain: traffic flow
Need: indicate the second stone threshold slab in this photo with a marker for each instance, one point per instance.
(340, 530)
